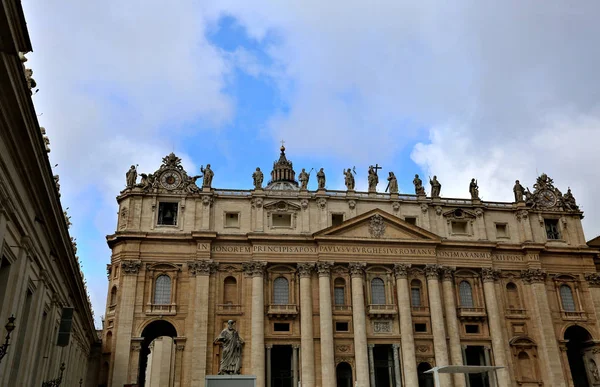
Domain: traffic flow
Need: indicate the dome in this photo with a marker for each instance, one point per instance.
(283, 177)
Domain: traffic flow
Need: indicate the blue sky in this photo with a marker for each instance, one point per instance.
(494, 91)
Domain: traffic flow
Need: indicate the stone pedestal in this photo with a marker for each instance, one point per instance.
(231, 381)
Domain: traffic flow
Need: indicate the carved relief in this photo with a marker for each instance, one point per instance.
(377, 226)
(396, 206)
(344, 348)
(522, 215)
(438, 210)
(130, 266)
(324, 268)
(254, 268)
(593, 279)
(489, 275)
(352, 204)
(448, 273)
(123, 221)
(401, 270)
(424, 208)
(304, 204)
(382, 327)
(357, 268)
(257, 202)
(207, 200)
(432, 271)
(322, 203)
(204, 267)
(533, 275)
(305, 269)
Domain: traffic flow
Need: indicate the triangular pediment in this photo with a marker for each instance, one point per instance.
(281, 205)
(377, 225)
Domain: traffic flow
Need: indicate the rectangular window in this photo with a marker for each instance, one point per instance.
(421, 328)
(282, 220)
(337, 219)
(472, 329)
(281, 327)
(232, 219)
(341, 326)
(501, 230)
(411, 220)
(167, 214)
(339, 296)
(552, 231)
(459, 227)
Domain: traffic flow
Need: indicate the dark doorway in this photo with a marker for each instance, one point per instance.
(425, 380)
(343, 374)
(383, 360)
(475, 355)
(577, 341)
(152, 331)
(281, 366)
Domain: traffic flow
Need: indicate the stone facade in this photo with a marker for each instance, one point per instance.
(40, 279)
(350, 288)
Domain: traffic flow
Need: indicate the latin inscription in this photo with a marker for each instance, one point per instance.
(508, 258)
(463, 254)
(339, 249)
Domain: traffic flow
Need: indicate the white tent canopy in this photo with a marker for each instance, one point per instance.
(453, 369)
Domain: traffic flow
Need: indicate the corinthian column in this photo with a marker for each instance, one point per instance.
(326, 319)
(490, 275)
(200, 271)
(305, 271)
(124, 321)
(257, 270)
(360, 326)
(437, 320)
(407, 342)
(452, 321)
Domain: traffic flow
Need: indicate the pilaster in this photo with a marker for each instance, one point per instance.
(256, 270)
(437, 320)
(406, 327)
(360, 325)
(207, 201)
(326, 322)
(452, 322)
(305, 271)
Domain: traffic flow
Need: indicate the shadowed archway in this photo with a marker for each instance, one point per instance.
(577, 340)
(152, 331)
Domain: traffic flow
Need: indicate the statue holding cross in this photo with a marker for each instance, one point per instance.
(373, 178)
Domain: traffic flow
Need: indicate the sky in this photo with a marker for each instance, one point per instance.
(498, 91)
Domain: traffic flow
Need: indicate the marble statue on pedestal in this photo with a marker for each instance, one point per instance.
(231, 357)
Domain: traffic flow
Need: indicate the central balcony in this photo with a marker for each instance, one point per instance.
(283, 311)
(382, 310)
(229, 309)
(471, 313)
(162, 309)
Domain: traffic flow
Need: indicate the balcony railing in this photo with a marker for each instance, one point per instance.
(580, 315)
(420, 309)
(282, 310)
(515, 312)
(229, 309)
(342, 307)
(162, 309)
(382, 310)
(471, 313)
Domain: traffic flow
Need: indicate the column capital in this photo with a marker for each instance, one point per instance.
(203, 267)
(131, 266)
(324, 268)
(533, 275)
(432, 271)
(396, 346)
(305, 269)
(593, 279)
(448, 272)
(401, 269)
(268, 346)
(296, 346)
(370, 346)
(357, 269)
(254, 268)
(489, 274)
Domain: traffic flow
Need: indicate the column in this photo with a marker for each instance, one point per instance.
(542, 320)
(257, 270)
(360, 325)
(406, 326)
(179, 343)
(134, 358)
(437, 320)
(395, 348)
(490, 275)
(124, 321)
(371, 365)
(593, 280)
(295, 348)
(307, 342)
(326, 319)
(452, 322)
(200, 271)
(269, 347)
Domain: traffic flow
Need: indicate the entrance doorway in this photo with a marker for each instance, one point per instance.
(281, 366)
(343, 374)
(475, 355)
(383, 361)
(425, 380)
(577, 341)
(165, 332)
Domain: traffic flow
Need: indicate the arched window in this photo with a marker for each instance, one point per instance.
(162, 290)
(281, 291)
(514, 301)
(525, 366)
(566, 296)
(113, 296)
(377, 291)
(230, 291)
(466, 294)
(339, 291)
(415, 293)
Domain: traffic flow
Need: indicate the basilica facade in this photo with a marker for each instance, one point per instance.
(346, 288)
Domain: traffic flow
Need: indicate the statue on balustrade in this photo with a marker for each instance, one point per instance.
(231, 356)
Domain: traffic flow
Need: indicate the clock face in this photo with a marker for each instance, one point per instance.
(547, 198)
(170, 180)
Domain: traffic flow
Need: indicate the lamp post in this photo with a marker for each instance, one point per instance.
(10, 326)
(55, 382)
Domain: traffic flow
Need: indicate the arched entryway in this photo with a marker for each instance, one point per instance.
(159, 333)
(577, 341)
(343, 373)
(425, 380)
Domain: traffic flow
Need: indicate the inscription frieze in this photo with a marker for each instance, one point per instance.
(507, 258)
(332, 249)
(464, 254)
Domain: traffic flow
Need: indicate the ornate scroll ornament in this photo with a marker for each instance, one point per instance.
(352, 204)
(357, 268)
(257, 202)
(448, 273)
(547, 196)
(343, 348)
(522, 215)
(533, 275)
(254, 268)
(324, 268)
(204, 267)
(322, 203)
(136, 347)
(593, 279)
(376, 226)
(490, 275)
(401, 270)
(424, 208)
(438, 210)
(382, 327)
(304, 204)
(479, 212)
(180, 347)
(305, 269)
(130, 266)
(207, 200)
(396, 206)
(432, 271)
